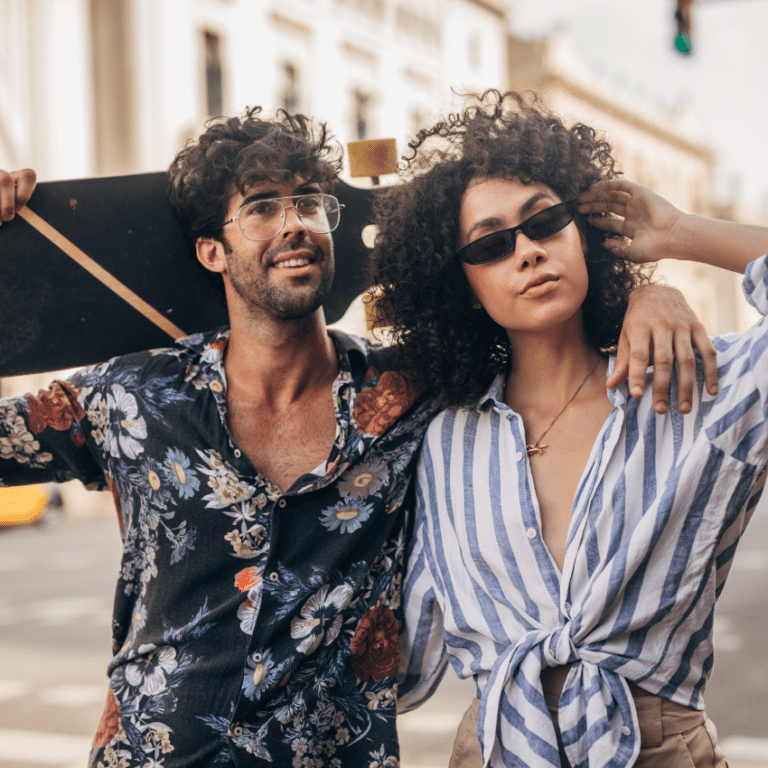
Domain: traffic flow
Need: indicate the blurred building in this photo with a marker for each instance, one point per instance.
(99, 87)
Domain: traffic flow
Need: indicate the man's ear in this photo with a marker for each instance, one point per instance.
(210, 253)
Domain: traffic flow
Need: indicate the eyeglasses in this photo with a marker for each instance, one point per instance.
(265, 219)
(499, 244)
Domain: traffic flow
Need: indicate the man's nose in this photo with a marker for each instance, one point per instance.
(293, 221)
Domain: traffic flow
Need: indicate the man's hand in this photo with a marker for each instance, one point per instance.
(661, 328)
(15, 190)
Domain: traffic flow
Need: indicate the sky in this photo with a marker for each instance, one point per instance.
(723, 84)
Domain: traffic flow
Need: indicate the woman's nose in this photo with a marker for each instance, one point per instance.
(528, 253)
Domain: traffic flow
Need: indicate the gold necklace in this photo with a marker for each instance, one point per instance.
(535, 448)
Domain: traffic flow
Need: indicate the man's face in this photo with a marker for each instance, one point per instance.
(286, 277)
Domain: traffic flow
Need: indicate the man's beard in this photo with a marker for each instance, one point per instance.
(276, 301)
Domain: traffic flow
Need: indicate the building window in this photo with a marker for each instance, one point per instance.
(214, 78)
(290, 90)
(362, 116)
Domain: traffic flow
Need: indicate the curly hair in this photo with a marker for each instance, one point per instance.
(450, 349)
(236, 153)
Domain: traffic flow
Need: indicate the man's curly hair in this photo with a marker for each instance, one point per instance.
(235, 153)
(449, 348)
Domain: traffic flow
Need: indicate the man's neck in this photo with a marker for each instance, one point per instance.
(277, 363)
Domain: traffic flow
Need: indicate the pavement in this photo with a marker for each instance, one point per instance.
(53, 662)
(68, 687)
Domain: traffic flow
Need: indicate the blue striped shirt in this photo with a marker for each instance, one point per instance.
(658, 513)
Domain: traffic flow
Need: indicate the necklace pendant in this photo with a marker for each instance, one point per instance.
(535, 449)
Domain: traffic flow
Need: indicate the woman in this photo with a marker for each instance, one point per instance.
(570, 540)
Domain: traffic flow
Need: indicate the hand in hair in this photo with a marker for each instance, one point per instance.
(644, 223)
(657, 230)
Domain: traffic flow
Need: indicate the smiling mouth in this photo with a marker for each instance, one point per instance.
(299, 261)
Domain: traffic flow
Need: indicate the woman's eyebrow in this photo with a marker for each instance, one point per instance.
(486, 223)
(494, 221)
(528, 204)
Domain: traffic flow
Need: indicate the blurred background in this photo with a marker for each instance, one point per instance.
(108, 87)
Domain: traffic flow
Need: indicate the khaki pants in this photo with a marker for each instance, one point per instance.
(673, 736)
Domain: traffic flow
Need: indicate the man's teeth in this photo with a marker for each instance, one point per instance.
(302, 262)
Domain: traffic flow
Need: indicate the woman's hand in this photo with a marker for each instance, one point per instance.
(15, 190)
(649, 228)
(635, 212)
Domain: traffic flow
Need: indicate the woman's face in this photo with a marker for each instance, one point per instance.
(542, 283)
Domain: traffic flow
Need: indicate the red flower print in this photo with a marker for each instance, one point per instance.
(57, 408)
(376, 645)
(247, 578)
(109, 723)
(378, 408)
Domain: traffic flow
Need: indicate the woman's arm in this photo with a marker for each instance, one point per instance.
(657, 230)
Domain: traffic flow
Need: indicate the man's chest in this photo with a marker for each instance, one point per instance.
(283, 444)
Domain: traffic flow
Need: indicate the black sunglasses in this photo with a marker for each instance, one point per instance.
(499, 244)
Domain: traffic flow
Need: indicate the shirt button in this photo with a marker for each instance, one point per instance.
(519, 456)
(282, 503)
(216, 386)
(273, 576)
(238, 453)
(626, 730)
(531, 533)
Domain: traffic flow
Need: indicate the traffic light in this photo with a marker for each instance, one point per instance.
(683, 21)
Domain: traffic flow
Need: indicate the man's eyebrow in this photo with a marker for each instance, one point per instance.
(272, 194)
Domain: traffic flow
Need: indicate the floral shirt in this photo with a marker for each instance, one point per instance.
(251, 627)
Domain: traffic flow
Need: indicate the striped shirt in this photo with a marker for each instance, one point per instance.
(658, 513)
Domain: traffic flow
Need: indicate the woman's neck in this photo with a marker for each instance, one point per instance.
(546, 368)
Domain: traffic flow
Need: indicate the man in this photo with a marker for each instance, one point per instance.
(260, 474)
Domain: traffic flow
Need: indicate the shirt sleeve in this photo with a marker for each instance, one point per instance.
(423, 656)
(736, 420)
(755, 284)
(43, 438)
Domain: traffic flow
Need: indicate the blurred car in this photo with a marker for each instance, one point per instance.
(28, 504)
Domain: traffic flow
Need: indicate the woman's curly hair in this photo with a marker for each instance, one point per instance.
(450, 349)
(236, 153)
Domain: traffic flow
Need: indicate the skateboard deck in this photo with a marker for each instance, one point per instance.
(95, 268)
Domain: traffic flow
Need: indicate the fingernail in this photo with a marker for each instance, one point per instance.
(714, 389)
(637, 391)
(661, 407)
(685, 407)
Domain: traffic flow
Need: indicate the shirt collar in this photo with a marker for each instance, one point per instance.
(494, 395)
(353, 351)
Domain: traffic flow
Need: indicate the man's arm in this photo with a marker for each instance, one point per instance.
(15, 190)
(659, 321)
(661, 328)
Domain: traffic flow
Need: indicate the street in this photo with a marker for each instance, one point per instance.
(56, 586)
